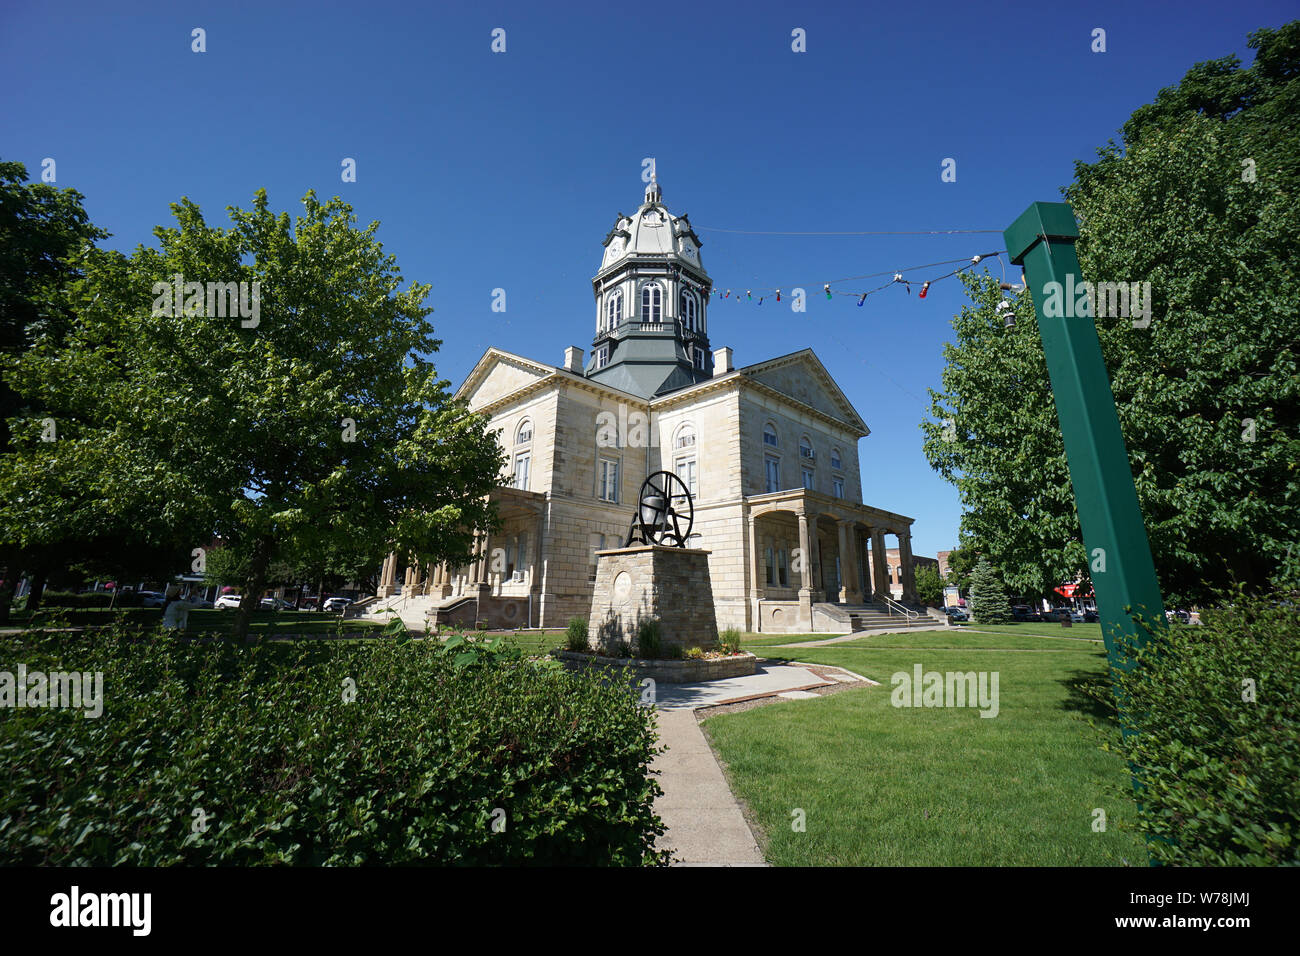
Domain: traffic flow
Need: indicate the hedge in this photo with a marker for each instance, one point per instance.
(1216, 752)
(212, 752)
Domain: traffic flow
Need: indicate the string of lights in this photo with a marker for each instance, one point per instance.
(898, 278)
(831, 235)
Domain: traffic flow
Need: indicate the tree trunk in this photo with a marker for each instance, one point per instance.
(7, 592)
(37, 590)
(253, 587)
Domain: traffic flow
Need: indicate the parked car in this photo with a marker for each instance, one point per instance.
(275, 604)
(1090, 617)
(956, 614)
(228, 602)
(1023, 612)
(337, 605)
(150, 598)
(309, 604)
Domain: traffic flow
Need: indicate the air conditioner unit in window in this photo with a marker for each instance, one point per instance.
(808, 454)
(517, 578)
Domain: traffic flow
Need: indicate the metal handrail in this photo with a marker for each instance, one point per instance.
(891, 605)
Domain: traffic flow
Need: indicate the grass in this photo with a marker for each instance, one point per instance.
(881, 785)
(200, 620)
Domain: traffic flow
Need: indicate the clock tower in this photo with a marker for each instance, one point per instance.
(652, 297)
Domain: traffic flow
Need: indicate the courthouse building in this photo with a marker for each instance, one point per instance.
(769, 451)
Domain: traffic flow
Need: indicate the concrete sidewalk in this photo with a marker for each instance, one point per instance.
(706, 826)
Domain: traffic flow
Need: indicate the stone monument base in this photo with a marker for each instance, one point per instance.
(653, 582)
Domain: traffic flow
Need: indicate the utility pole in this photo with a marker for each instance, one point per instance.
(1119, 554)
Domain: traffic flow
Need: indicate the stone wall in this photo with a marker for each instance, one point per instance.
(645, 582)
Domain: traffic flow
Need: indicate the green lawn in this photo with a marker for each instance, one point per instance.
(213, 621)
(881, 785)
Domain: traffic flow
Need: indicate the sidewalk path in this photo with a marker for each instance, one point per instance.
(706, 826)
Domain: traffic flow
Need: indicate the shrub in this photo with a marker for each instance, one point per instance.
(1219, 773)
(89, 599)
(649, 640)
(729, 640)
(695, 654)
(576, 636)
(929, 586)
(262, 740)
(989, 604)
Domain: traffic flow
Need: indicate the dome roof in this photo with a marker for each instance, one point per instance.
(652, 231)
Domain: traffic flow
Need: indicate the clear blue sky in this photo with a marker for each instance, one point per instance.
(506, 170)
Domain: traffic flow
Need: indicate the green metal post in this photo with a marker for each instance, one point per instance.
(1123, 574)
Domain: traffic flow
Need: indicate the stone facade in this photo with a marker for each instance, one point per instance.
(770, 451)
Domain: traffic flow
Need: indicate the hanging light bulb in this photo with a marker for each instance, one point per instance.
(748, 294)
(925, 288)
(827, 287)
(1008, 314)
(861, 300)
(778, 295)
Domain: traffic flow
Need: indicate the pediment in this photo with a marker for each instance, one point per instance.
(802, 377)
(497, 374)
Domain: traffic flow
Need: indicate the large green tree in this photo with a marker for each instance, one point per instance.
(1202, 200)
(301, 414)
(45, 233)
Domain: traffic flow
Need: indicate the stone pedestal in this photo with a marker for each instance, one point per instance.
(670, 585)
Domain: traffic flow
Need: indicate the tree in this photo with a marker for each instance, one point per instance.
(1208, 394)
(266, 384)
(989, 604)
(44, 231)
(929, 588)
(961, 561)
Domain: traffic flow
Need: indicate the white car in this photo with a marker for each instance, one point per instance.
(336, 604)
(228, 602)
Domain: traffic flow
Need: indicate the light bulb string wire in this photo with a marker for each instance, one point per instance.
(968, 262)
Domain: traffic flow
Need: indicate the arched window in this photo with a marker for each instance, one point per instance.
(806, 449)
(524, 434)
(769, 434)
(685, 436)
(652, 307)
(613, 310)
(836, 462)
(689, 311)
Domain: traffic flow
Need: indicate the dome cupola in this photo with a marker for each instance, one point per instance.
(652, 297)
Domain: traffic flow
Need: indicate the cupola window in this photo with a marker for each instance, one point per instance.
(652, 309)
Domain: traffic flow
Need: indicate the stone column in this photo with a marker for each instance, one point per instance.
(817, 582)
(755, 581)
(850, 590)
(388, 576)
(415, 573)
(879, 565)
(482, 570)
(909, 571)
(807, 533)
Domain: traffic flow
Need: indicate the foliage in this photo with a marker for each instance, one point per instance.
(1208, 395)
(575, 637)
(261, 744)
(989, 604)
(961, 562)
(1216, 750)
(649, 638)
(313, 422)
(729, 640)
(694, 654)
(929, 587)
